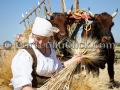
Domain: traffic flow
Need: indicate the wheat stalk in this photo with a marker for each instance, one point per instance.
(82, 82)
(62, 79)
(5, 63)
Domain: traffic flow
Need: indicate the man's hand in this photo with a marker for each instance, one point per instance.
(76, 57)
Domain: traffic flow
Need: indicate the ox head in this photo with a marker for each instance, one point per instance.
(101, 26)
(60, 20)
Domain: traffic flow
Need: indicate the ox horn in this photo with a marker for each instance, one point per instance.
(64, 6)
(91, 14)
(69, 12)
(72, 8)
(114, 14)
(49, 13)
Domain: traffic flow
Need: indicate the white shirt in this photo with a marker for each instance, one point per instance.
(22, 67)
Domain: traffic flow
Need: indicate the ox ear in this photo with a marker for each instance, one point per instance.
(91, 14)
(114, 14)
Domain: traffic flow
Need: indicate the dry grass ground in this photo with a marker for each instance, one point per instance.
(93, 85)
(117, 48)
(101, 83)
(104, 75)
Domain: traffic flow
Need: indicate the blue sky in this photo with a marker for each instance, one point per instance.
(11, 11)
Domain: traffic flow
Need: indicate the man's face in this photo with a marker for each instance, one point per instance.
(41, 41)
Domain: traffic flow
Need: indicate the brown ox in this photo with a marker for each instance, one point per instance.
(101, 29)
(60, 21)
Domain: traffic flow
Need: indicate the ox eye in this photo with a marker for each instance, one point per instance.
(96, 20)
(98, 24)
(66, 23)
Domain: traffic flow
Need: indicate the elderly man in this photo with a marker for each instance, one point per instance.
(29, 72)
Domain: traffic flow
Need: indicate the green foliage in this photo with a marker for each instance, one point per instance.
(118, 56)
(118, 44)
(117, 51)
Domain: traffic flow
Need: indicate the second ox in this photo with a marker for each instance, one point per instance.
(101, 30)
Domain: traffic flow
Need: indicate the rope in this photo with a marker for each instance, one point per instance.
(78, 14)
(54, 41)
(57, 48)
(70, 28)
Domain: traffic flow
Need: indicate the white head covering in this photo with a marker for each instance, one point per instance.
(42, 27)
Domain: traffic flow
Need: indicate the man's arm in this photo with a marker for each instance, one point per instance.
(27, 87)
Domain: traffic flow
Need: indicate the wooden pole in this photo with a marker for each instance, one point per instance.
(39, 9)
(77, 4)
(35, 12)
(32, 17)
(45, 13)
(62, 6)
(24, 21)
(32, 12)
(28, 19)
(49, 6)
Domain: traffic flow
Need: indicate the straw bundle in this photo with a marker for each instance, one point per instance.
(26, 34)
(5, 69)
(5, 63)
(62, 79)
(81, 82)
(88, 50)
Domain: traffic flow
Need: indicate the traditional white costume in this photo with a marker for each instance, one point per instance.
(22, 62)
